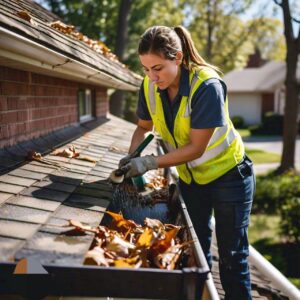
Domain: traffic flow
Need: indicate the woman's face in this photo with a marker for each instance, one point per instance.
(160, 70)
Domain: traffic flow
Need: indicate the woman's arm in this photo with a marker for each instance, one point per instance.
(143, 127)
(199, 139)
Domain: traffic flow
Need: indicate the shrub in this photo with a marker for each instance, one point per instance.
(272, 124)
(238, 122)
(280, 195)
(290, 219)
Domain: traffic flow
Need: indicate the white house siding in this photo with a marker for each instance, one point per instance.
(246, 105)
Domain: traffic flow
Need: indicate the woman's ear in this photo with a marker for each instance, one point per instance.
(179, 57)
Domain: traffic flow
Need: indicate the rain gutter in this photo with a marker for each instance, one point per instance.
(36, 57)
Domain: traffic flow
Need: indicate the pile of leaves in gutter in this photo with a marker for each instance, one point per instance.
(129, 245)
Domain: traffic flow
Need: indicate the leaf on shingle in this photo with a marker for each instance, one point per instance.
(23, 14)
(69, 152)
(80, 227)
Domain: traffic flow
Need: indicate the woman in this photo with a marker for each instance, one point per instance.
(185, 99)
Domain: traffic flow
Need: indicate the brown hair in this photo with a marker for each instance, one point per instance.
(168, 41)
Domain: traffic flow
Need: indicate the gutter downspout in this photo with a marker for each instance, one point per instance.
(275, 276)
(268, 270)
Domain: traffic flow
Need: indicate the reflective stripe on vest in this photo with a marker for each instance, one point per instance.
(209, 154)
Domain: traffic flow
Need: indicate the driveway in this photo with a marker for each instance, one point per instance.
(270, 144)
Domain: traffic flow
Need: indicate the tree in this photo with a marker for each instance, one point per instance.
(117, 98)
(292, 89)
(225, 39)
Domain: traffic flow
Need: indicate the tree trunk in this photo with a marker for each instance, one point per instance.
(291, 96)
(290, 116)
(117, 98)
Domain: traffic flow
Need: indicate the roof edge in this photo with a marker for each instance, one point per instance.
(25, 51)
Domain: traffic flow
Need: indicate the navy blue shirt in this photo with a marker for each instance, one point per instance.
(208, 103)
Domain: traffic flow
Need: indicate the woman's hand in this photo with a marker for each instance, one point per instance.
(139, 165)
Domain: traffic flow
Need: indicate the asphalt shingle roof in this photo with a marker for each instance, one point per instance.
(37, 200)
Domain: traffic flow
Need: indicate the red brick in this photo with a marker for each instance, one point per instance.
(12, 129)
(22, 116)
(15, 89)
(12, 103)
(3, 103)
(22, 103)
(9, 117)
(9, 74)
(21, 128)
(4, 134)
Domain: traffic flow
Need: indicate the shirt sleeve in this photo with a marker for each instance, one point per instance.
(208, 105)
(142, 108)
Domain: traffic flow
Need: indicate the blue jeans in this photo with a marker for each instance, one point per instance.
(230, 197)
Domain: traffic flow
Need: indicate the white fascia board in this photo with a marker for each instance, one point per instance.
(28, 53)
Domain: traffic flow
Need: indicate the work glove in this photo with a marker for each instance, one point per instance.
(139, 165)
(123, 161)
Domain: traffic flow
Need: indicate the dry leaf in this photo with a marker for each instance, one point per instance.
(145, 239)
(161, 245)
(26, 16)
(86, 158)
(79, 226)
(33, 155)
(153, 223)
(96, 256)
(169, 258)
(69, 152)
(122, 223)
(120, 246)
(132, 262)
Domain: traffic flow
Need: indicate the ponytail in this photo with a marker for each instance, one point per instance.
(191, 56)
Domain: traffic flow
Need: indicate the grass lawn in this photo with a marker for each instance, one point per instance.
(244, 132)
(262, 157)
(264, 236)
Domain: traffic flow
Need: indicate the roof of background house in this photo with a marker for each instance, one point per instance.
(30, 36)
(36, 198)
(263, 79)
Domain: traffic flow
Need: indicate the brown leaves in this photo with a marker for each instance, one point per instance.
(23, 14)
(157, 182)
(69, 152)
(134, 246)
(97, 46)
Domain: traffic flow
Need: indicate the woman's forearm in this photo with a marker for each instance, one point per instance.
(137, 137)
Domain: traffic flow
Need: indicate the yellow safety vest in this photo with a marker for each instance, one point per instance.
(225, 148)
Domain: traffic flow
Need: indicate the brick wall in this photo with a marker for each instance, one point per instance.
(32, 104)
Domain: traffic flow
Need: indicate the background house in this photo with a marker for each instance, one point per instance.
(51, 76)
(257, 89)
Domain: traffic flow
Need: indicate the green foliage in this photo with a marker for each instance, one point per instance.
(264, 236)
(225, 39)
(262, 157)
(290, 215)
(238, 122)
(280, 195)
(272, 124)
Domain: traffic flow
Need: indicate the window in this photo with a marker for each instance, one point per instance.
(85, 105)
